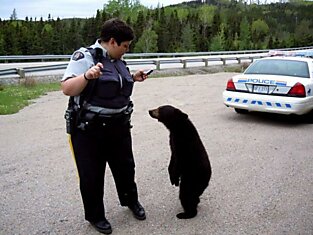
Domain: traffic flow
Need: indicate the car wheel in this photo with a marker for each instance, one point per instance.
(241, 111)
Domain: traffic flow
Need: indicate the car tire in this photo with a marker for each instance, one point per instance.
(241, 111)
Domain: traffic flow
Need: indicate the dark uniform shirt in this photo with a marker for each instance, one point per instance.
(80, 62)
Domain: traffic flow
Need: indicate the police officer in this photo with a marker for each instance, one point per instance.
(101, 85)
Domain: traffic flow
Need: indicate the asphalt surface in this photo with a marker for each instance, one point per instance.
(262, 180)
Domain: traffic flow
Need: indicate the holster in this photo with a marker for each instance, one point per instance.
(71, 120)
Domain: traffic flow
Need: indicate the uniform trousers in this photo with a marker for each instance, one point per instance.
(95, 147)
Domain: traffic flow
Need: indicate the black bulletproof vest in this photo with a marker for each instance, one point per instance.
(114, 87)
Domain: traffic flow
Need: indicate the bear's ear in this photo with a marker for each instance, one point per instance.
(185, 116)
(181, 114)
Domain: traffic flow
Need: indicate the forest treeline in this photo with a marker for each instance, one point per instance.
(215, 25)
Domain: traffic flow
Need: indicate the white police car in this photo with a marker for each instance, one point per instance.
(275, 85)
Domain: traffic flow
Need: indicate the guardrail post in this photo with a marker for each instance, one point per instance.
(157, 64)
(224, 61)
(206, 62)
(184, 63)
(20, 72)
(239, 60)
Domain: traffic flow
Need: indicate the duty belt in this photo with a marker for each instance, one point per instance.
(104, 111)
(95, 116)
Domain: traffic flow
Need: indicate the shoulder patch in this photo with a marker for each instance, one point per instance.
(78, 55)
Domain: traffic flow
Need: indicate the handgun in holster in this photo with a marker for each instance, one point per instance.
(71, 120)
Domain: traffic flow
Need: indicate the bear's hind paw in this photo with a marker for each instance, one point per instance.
(186, 215)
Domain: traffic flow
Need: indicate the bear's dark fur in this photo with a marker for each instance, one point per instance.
(189, 166)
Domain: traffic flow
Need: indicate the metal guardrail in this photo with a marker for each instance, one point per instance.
(128, 55)
(21, 72)
(199, 57)
(44, 68)
(7, 72)
(7, 58)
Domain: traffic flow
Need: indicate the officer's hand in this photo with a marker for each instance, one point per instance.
(139, 76)
(94, 72)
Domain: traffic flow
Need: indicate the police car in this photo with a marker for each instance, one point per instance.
(282, 84)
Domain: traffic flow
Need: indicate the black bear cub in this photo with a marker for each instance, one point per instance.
(189, 166)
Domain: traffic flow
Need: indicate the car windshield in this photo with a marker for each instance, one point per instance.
(279, 67)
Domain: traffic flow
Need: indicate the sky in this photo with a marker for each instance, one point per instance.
(62, 8)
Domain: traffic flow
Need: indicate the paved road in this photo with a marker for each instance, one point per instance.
(262, 168)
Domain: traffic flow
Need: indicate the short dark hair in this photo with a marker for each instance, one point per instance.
(117, 29)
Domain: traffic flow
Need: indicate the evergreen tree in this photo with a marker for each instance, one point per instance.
(46, 36)
(147, 42)
(25, 44)
(216, 23)
(140, 24)
(259, 30)
(58, 37)
(244, 35)
(162, 32)
(98, 19)
(89, 33)
(218, 41)
(10, 39)
(304, 33)
(13, 15)
(2, 44)
(175, 29)
(187, 39)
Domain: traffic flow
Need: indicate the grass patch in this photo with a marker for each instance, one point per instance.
(234, 69)
(15, 97)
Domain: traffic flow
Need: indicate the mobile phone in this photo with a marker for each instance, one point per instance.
(148, 72)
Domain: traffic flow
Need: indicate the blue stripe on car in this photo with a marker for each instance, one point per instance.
(288, 105)
(281, 83)
(259, 102)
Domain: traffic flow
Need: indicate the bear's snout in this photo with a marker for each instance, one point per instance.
(154, 113)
